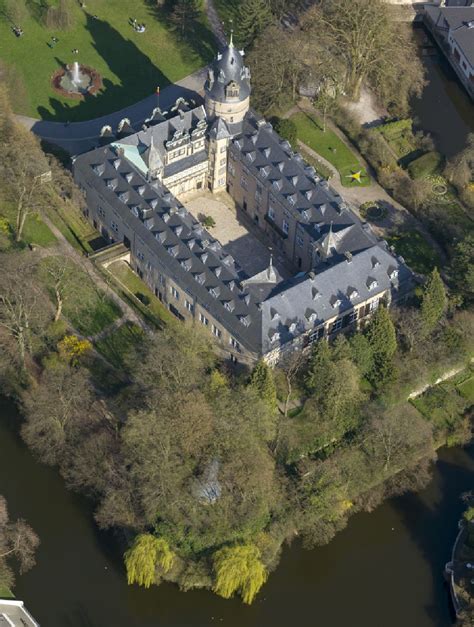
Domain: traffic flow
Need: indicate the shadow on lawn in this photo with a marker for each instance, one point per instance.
(199, 38)
(138, 77)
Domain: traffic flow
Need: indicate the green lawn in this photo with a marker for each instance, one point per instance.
(131, 64)
(35, 230)
(6, 593)
(444, 407)
(466, 389)
(88, 309)
(116, 346)
(416, 251)
(73, 225)
(140, 295)
(329, 146)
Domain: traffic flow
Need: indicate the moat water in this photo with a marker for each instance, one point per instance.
(444, 110)
(385, 568)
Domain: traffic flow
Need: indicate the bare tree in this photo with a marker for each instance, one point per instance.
(58, 410)
(17, 540)
(59, 274)
(23, 306)
(23, 170)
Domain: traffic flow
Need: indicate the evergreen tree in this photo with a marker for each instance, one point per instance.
(262, 381)
(433, 302)
(253, 17)
(142, 558)
(361, 353)
(239, 569)
(383, 342)
(319, 368)
(287, 130)
(462, 269)
(183, 16)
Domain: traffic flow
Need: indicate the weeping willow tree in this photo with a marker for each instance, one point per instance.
(239, 569)
(146, 553)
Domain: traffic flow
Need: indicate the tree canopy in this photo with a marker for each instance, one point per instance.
(239, 569)
(141, 559)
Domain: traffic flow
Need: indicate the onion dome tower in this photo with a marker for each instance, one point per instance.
(227, 89)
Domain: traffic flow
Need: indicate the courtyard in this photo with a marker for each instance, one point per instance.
(238, 236)
(132, 64)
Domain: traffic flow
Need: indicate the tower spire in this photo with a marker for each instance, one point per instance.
(231, 42)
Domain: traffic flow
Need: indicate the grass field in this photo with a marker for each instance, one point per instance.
(329, 146)
(73, 225)
(153, 310)
(466, 389)
(88, 309)
(35, 230)
(116, 346)
(131, 64)
(416, 251)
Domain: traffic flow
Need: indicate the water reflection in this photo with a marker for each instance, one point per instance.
(385, 568)
(444, 109)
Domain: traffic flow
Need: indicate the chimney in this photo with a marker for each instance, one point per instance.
(348, 256)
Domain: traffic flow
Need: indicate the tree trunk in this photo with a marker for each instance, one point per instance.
(59, 305)
(287, 399)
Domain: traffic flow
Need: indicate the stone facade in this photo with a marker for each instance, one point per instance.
(132, 188)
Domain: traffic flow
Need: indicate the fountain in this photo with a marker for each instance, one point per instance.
(76, 81)
(75, 76)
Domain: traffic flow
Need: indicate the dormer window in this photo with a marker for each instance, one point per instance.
(371, 283)
(232, 90)
(215, 291)
(201, 278)
(292, 327)
(336, 303)
(353, 294)
(245, 320)
(275, 337)
(394, 274)
(315, 294)
(186, 263)
(312, 317)
(229, 305)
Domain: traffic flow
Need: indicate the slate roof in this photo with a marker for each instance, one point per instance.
(252, 311)
(179, 126)
(459, 19)
(294, 183)
(194, 258)
(308, 301)
(227, 67)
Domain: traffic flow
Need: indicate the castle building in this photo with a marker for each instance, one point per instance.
(341, 272)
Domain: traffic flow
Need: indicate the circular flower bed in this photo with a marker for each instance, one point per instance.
(372, 211)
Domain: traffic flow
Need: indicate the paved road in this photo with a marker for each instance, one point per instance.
(79, 137)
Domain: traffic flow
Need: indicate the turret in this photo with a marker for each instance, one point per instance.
(227, 89)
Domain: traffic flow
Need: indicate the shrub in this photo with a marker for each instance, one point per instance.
(425, 165)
